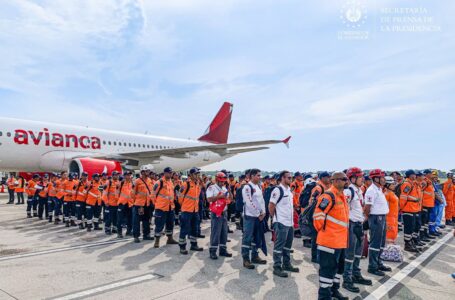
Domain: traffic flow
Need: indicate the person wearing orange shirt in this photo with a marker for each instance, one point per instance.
(60, 188)
(410, 206)
(81, 195)
(392, 216)
(448, 190)
(43, 188)
(69, 205)
(92, 203)
(11, 183)
(125, 202)
(20, 189)
(112, 194)
(142, 194)
(297, 188)
(31, 195)
(189, 203)
(51, 195)
(331, 221)
(163, 199)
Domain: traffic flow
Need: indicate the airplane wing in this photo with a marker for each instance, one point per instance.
(184, 152)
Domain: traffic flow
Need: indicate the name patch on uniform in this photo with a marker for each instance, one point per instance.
(407, 189)
(324, 203)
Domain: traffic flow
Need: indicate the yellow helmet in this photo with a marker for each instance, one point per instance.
(435, 173)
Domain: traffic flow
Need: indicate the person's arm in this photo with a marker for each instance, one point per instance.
(211, 197)
(369, 198)
(272, 204)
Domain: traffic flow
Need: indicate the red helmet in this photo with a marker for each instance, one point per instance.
(354, 172)
(220, 176)
(377, 173)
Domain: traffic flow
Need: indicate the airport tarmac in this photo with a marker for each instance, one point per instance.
(39, 260)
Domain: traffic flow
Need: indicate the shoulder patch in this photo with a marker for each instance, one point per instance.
(324, 203)
(407, 189)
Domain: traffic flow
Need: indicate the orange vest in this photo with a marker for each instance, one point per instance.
(11, 183)
(296, 188)
(46, 186)
(53, 188)
(448, 189)
(125, 191)
(81, 191)
(112, 192)
(93, 193)
(164, 195)
(68, 187)
(60, 188)
(142, 192)
(189, 197)
(428, 194)
(392, 216)
(409, 197)
(20, 188)
(335, 232)
(30, 189)
(318, 190)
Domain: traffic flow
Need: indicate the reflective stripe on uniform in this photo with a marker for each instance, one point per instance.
(326, 249)
(336, 221)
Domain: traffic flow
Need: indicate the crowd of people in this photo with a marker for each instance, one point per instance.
(335, 214)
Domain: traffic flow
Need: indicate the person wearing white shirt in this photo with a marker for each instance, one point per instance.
(353, 253)
(253, 214)
(282, 211)
(376, 209)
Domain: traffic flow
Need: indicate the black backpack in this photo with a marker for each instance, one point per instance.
(304, 198)
(306, 218)
(239, 203)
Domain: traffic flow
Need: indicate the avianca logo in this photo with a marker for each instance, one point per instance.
(24, 137)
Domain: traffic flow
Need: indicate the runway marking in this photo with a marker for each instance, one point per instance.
(387, 286)
(69, 248)
(108, 287)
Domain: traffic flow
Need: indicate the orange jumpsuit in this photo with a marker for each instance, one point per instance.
(449, 193)
(392, 216)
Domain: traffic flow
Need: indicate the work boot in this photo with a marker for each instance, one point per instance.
(385, 268)
(201, 236)
(119, 235)
(108, 232)
(225, 254)
(57, 220)
(259, 261)
(114, 230)
(171, 241)
(247, 264)
(50, 219)
(157, 242)
(339, 296)
(81, 226)
(213, 255)
(376, 272)
(97, 226)
(67, 224)
(148, 238)
(128, 233)
(279, 272)
(297, 235)
(349, 285)
(307, 243)
(137, 240)
(194, 247)
(35, 215)
(442, 226)
(89, 227)
(423, 238)
(29, 215)
(361, 280)
(291, 268)
(409, 246)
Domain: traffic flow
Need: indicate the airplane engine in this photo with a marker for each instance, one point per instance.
(92, 166)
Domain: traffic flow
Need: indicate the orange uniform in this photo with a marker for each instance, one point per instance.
(93, 193)
(189, 196)
(31, 188)
(164, 195)
(46, 187)
(318, 190)
(20, 187)
(296, 188)
(331, 220)
(428, 193)
(80, 193)
(112, 192)
(449, 193)
(68, 187)
(11, 183)
(125, 193)
(409, 197)
(142, 192)
(392, 216)
(53, 188)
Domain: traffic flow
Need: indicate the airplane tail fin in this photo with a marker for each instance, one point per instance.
(218, 130)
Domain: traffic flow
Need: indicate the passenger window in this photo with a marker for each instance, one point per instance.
(109, 143)
(8, 134)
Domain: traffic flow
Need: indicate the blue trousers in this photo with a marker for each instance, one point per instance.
(218, 233)
(58, 207)
(440, 212)
(80, 212)
(164, 219)
(124, 216)
(377, 240)
(248, 245)
(283, 245)
(188, 227)
(110, 217)
(435, 216)
(354, 251)
(51, 206)
(137, 219)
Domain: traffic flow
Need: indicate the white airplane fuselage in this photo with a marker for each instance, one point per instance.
(32, 146)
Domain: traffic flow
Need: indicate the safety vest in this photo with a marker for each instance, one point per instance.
(125, 190)
(409, 197)
(142, 192)
(331, 220)
(112, 192)
(93, 193)
(20, 188)
(46, 186)
(428, 194)
(296, 188)
(164, 195)
(81, 191)
(30, 188)
(60, 188)
(53, 188)
(189, 197)
(318, 190)
(11, 182)
(68, 187)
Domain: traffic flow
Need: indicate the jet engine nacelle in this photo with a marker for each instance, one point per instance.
(93, 165)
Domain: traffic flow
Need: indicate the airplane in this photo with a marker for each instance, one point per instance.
(30, 146)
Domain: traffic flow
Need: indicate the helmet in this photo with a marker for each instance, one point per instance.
(376, 173)
(354, 172)
(309, 181)
(435, 173)
(389, 180)
(408, 173)
(220, 176)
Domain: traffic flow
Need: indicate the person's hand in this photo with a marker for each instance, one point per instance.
(261, 216)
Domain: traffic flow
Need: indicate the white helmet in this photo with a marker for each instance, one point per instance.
(389, 180)
(309, 181)
(146, 168)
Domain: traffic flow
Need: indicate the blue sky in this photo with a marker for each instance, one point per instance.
(166, 66)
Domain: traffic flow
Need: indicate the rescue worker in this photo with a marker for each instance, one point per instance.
(92, 206)
(428, 199)
(354, 197)
(69, 205)
(376, 209)
(418, 229)
(449, 193)
(60, 187)
(231, 207)
(81, 196)
(331, 221)
(20, 189)
(367, 182)
(189, 205)
(281, 209)
(142, 195)
(111, 205)
(297, 188)
(217, 196)
(253, 214)
(163, 201)
(410, 206)
(43, 187)
(125, 202)
(31, 195)
(51, 195)
(440, 202)
(11, 183)
(394, 206)
(103, 183)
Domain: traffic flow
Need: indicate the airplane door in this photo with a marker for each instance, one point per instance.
(206, 156)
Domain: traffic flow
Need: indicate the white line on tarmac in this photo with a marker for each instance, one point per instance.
(387, 286)
(108, 287)
(62, 249)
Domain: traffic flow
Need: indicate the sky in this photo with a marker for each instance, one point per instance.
(354, 82)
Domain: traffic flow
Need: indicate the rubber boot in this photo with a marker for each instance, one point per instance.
(72, 223)
(194, 247)
(50, 219)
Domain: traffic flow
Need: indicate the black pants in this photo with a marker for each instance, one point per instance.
(124, 216)
(331, 267)
(314, 249)
(418, 226)
(42, 207)
(137, 219)
(425, 218)
(409, 223)
(20, 197)
(11, 195)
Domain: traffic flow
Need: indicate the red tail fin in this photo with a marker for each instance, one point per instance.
(218, 131)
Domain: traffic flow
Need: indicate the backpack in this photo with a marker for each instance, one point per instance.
(268, 194)
(306, 218)
(239, 202)
(304, 198)
(398, 189)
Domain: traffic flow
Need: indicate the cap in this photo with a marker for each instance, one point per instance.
(224, 171)
(231, 176)
(267, 177)
(114, 173)
(84, 174)
(127, 173)
(276, 176)
(168, 170)
(95, 175)
(419, 173)
(194, 170)
(307, 176)
(366, 177)
(104, 174)
(389, 180)
(297, 174)
(71, 176)
(220, 176)
(324, 174)
(427, 171)
(242, 177)
(36, 176)
(410, 172)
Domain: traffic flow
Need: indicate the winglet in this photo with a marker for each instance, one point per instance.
(286, 141)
